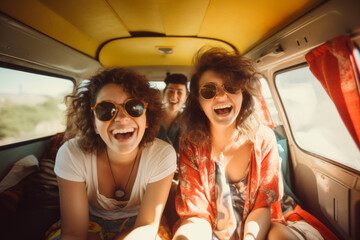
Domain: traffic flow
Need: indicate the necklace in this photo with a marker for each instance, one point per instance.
(214, 152)
(227, 146)
(120, 194)
(221, 156)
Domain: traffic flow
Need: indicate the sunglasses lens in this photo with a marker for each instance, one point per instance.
(208, 91)
(135, 108)
(105, 111)
(230, 89)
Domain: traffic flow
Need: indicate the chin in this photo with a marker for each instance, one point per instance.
(225, 121)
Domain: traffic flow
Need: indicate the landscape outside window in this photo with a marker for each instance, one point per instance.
(31, 105)
(313, 118)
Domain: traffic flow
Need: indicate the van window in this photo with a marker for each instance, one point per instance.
(313, 118)
(31, 105)
(158, 85)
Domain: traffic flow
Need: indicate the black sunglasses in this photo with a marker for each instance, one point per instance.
(106, 110)
(210, 90)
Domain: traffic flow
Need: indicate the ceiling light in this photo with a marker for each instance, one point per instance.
(165, 50)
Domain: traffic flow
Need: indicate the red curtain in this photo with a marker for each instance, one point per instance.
(268, 121)
(334, 65)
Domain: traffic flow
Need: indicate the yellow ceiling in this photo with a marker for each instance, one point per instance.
(117, 32)
(144, 51)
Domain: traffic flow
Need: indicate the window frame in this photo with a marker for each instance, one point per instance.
(33, 71)
(293, 139)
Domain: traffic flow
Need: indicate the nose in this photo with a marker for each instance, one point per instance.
(220, 92)
(173, 96)
(121, 115)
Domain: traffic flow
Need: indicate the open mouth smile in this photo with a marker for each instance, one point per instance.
(123, 133)
(223, 109)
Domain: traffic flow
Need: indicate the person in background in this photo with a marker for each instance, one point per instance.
(175, 94)
(174, 97)
(114, 175)
(229, 170)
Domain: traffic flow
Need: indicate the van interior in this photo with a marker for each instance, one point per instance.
(48, 47)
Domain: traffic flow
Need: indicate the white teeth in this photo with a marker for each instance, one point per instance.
(122, 131)
(222, 106)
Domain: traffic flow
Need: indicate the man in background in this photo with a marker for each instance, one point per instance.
(175, 94)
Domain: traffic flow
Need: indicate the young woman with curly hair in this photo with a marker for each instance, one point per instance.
(229, 171)
(114, 176)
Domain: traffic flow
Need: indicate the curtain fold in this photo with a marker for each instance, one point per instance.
(333, 64)
(266, 115)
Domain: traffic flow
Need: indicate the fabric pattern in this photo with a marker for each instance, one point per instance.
(236, 209)
(196, 192)
(227, 219)
(108, 229)
(238, 193)
(333, 64)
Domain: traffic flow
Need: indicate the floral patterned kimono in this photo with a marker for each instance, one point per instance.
(196, 193)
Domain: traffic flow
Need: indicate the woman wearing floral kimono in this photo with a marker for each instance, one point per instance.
(229, 169)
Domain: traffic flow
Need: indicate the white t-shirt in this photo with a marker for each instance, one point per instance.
(157, 161)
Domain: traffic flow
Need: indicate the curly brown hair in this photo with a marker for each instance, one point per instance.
(232, 67)
(80, 117)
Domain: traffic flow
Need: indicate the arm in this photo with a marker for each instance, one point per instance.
(74, 209)
(192, 200)
(152, 206)
(269, 189)
(193, 228)
(257, 224)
